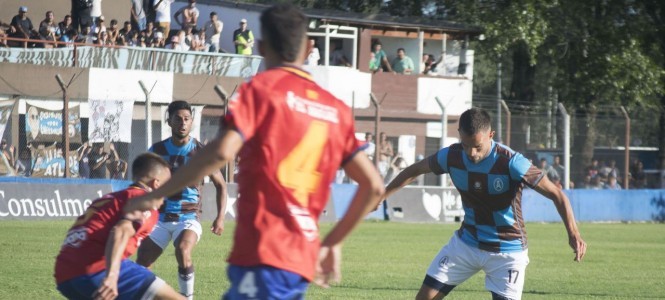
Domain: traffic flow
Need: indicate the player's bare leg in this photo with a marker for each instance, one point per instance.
(166, 292)
(184, 245)
(148, 253)
(429, 293)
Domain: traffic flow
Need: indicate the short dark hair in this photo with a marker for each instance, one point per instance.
(178, 105)
(284, 28)
(147, 164)
(475, 120)
(213, 14)
(401, 49)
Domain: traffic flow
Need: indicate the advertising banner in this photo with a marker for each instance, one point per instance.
(45, 125)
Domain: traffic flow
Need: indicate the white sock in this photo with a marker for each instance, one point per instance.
(186, 282)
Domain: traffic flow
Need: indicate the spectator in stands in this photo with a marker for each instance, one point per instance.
(96, 11)
(585, 183)
(114, 32)
(98, 26)
(69, 37)
(199, 41)
(612, 183)
(337, 57)
(213, 32)
(9, 153)
(638, 179)
(243, 38)
(48, 29)
(137, 15)
(86, 36)
(313, 56)
(402, 64)
(163, 15)
(158, 40)
(189, 36)
(103, 39)
(371, 147)
(97, 161)
(116, 166)
(373, 63)
(84, 160)
(21, 26)
(610, 169)
(593, 169)
(381, 57)
(24, 162)
(182, 41)
(66, 25)
(190, 16)
(596, 183)
(385, 154)
(431, 65)
(81, 14)
(3, 38)
(149, 32)
(547, 169)
(558, 167)
(397, 165)
(126, 34)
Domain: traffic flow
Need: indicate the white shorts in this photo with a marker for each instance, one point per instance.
(457, 262)
(167, 231)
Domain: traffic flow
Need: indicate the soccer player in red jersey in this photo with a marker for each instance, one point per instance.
(93, 259)
(291, 136)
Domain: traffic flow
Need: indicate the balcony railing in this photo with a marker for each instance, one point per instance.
(134, 58)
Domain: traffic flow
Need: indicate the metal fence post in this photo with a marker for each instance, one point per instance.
(230, 165)
(508, 121)
(626, 158)
(65, 122)
(444, 134)
(566, 145)
(148, 112)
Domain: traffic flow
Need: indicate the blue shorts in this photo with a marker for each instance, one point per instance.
(133, 281)
(264, 282)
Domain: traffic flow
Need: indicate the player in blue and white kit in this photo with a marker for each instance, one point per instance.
(490, 178)
(179, 215)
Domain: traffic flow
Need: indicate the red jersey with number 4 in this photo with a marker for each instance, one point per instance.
(296, 137)
(82, 252)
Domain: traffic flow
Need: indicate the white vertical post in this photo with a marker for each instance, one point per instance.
(444, 48)
(355, 48)
(148, 114)
(326, 51)
(444, 134)
(566, 146)
(421, 49)
(498, 100)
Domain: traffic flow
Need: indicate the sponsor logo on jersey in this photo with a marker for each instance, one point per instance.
(75, 237)
(313, 109)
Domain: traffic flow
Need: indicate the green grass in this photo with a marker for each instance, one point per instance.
(386, 261)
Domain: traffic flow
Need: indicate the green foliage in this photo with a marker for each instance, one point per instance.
(385, 261)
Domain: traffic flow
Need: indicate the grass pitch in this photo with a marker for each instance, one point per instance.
(385, 261)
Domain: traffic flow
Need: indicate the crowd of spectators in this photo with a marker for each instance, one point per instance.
(92, 160)
(148, 26)
(599, 175)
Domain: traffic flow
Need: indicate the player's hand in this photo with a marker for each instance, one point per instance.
(328, 268)
(579, 246)
(107, 290)
(217, 226)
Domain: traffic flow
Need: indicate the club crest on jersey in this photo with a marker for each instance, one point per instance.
(498, 185)
(75, 237)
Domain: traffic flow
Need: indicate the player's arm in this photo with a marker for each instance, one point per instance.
(407, 176)
(115, 247)
(210, 159)
(549, 190)
(368, 195)
(221, 197)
